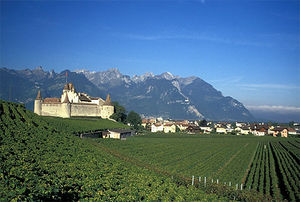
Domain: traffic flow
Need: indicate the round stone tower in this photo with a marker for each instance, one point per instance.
(66, 107)
(38, 104)
(107, 108)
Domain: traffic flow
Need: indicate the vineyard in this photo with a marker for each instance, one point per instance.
(42, 159)
(41, 162)
(275, 170)
(265, 165)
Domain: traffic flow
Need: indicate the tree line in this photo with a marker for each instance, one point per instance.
(131, 118)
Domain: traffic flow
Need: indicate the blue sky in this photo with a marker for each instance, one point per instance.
(249, 50)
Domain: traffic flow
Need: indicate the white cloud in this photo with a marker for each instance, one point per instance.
(274, 108)
(229, 80)
(202, 37)
(273, 86)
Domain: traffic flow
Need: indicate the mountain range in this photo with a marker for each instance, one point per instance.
(163, 95)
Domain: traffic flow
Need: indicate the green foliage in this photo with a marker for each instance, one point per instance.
(119, 113)
(232, 159)
(82, 124)
(233, 133)
(291, 124)
(177, 129)
(42, 160)
(203, 123)
(134, 119)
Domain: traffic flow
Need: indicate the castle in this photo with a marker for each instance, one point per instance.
(72, 104)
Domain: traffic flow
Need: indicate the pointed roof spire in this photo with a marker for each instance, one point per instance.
(107, 101)
(70, 86)
(66, 87)
(39, 97)
(66, 99)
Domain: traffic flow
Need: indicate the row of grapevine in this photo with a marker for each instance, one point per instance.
(275, 171)
(191, 156)
(293, 149)
(41, 162)
(250, 162)
(289, 171)
(251, 181)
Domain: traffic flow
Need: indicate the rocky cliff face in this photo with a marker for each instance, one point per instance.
(169, 96)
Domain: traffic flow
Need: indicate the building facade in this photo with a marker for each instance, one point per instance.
(73, 104)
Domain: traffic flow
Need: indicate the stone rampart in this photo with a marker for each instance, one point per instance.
(78, 109)
(53, 109)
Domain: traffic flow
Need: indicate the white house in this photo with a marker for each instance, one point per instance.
(206, 128)
(245, 131)
(292, 131)
(157, 127)
(169, 128)
(237, 124)
(221, 130)
(260, 132)
(117, 133)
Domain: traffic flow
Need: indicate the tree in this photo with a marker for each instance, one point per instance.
(134, 119)
(291, 124)
(203, 123)
(119, 113)
(233, 124)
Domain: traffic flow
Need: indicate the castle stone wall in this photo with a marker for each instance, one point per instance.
(53, 109)
(38, 107)
(107, 111)
(85, 110)
(73, 104)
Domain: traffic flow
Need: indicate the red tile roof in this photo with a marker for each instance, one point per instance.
(51, 100)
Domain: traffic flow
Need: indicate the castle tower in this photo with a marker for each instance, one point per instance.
(107, 108)
(38, 104)
(66, 88)
(72, 88)
(107, 101)
(66, 107)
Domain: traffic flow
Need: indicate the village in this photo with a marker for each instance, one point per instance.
(208, 127)
(73, 103)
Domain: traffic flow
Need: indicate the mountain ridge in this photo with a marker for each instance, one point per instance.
(163, 95)
(183, 92)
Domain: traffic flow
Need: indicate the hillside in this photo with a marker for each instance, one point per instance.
(162, 95)
(39, 161)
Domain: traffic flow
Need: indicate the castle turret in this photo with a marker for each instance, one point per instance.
(66, 107)
(107, 108)
(38, 104)
(66, 88)
(72, 88)
(107, 101)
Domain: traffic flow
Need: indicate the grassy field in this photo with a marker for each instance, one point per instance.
(265, 164)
